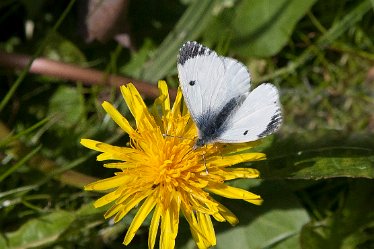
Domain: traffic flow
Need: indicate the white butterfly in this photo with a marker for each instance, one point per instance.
(216, 91)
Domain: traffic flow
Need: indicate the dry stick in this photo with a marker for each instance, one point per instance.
(73, 72)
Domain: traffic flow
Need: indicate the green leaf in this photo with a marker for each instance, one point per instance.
(320, 164)
(264, 27)
(189, 26)
(39, 50)
(89, 209)
(339, 28)
(10, 169)
(67, 104)
(351, 226)
(61, 49)
(291, 242)
(259, 27)
(38, 232)
(277, 223)
(10, 138)
(138, 58)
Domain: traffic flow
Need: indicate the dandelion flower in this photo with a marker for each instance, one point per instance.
(163, 175)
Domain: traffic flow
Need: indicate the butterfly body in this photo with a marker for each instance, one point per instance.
(217, 93)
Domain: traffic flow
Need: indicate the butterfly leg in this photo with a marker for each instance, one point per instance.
(206, 168)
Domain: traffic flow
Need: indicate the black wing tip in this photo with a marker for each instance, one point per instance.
(274, 124)
(190, 50)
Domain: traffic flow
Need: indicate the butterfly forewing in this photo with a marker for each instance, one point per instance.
(216, 91)
(209, 81)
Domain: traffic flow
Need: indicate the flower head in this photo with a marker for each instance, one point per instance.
(162, 171)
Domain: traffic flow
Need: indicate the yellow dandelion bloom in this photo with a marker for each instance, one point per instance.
(164, 174)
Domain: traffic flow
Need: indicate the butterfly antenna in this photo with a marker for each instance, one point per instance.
(179, 137)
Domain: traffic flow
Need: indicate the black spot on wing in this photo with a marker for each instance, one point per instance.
(190, 50)
(192, 82)
(273, 125)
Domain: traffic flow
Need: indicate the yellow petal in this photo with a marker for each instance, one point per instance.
(197, 234)
(110, 152)
(111, 156)
(91, 144)
(107, 147)
(125, 207)
(161, 102)
(218, 217)
(228, 215)
(199, 240)
(140, 216)
(169, 225)
(121, 165)
(118, 118)
(137, 107)
(207, 227)
(153, 228)
(235, 173)
(225, 161)
(164, 97)
(133, 99)
(240, 147)
(107, 199)
(108, 183)
(113, 210)
(234, 193)
(176, 110)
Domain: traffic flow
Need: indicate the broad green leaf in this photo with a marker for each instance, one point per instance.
(263, 27)
(37, 232)
(312, 236)
(320, 164)
(67, 104)
(258, 27)
(267, 230)
(277, 223)
(292, 242)
(61, 49)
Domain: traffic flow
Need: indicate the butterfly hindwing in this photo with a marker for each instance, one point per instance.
(258, 116)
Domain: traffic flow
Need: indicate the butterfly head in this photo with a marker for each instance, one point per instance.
(199, 143)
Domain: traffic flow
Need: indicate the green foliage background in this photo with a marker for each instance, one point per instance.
(318, 180)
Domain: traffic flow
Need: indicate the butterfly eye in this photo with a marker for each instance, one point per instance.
(192, 82)
(246, 132)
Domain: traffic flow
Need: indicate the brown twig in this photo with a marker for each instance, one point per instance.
(75, 73)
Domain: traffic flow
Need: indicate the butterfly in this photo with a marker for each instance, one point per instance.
(217, 93)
